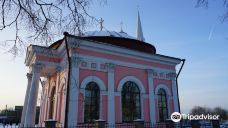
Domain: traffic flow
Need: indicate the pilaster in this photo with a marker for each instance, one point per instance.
(174, 92)
(111, 94)
(73, 92)
(151, 96)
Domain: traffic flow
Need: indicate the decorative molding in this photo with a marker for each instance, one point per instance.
(36, 68)
(111, 67)
(150, 72)
(95, 79)
(162, 86)
(162, 75)
(73, 42)
(88, 58)
(172, 75)
(133, 79)
(76, 61)
(93, 65)
(33, 50)
(44, 50)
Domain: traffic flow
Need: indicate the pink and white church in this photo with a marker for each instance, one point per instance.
(104, 75)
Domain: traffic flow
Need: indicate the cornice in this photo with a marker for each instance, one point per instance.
(116, 50)
(34, 50)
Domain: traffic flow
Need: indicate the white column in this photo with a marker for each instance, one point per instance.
(32, 101)
(41, 107)
(73, 93)
(174, 91)
(29, 77)
(111, 94)
(151, 96)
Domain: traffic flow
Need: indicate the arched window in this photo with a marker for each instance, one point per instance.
(131, 107)
(52, 102)
(162, 105)
(92, 99)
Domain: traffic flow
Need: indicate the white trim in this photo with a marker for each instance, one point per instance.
(95, 79)
(141, 88)
(101, 86)
(133, 79)
(167, 90)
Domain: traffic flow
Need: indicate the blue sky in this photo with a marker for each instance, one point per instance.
(175, 28)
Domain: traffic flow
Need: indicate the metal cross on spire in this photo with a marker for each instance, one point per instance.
(101, 24)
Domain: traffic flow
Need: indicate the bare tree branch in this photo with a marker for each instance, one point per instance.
(44, 20)
(205, 3)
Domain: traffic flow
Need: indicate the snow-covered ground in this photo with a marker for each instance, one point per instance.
(8, 126)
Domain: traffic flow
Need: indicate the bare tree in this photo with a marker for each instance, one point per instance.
(221, 112)
(43, 19)
(205, 3)
(198, 110)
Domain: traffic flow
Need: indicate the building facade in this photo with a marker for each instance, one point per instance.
(100, 75)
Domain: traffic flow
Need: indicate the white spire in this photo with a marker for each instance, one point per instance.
(139, 29)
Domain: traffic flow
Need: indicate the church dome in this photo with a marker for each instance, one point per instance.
(121, 34)
(120, 39)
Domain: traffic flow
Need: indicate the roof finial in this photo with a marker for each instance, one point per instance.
(139, 29)
(101, 24)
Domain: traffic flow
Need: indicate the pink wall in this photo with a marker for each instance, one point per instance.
(122, 71)
(121, 58)
(156, 109)
(168, 83)
(80, 108)
(171, 106)
(117, 109)
(104, 107)
(146, 110)
(85, 72)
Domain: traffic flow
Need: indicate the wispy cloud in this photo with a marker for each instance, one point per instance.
(211, 32)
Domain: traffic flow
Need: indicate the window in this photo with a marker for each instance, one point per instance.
(162, 105)
(52, 102)
(131, 107)
(92, 99)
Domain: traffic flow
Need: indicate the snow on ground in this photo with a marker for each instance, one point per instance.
(8, 126)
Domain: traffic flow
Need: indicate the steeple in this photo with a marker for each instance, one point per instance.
(139, 29)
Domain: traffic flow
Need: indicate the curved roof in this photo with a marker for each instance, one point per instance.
(120, 39)
(121, 34)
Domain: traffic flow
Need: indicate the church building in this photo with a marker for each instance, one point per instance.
(100, 75)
